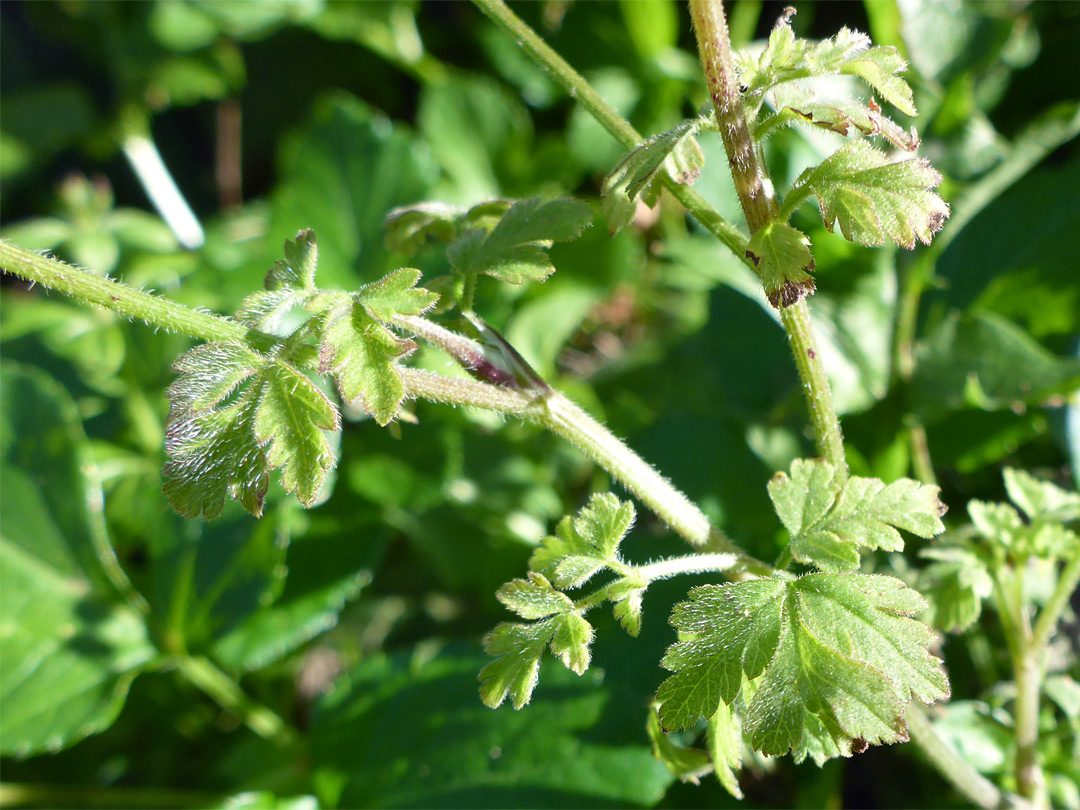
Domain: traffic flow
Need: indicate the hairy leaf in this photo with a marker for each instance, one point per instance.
(289, 285)
(518, 648)
(829, 521)
(839, 657)
(533, 598)
(516, 249)
(782, 257)
(586, 543)
(357, 347)
(873, 198)
(236, 415)
(674, 151)
(796, 103)
(787, 59)
(725, 743)
(409, 227)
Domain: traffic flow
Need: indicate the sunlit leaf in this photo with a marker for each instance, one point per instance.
(782, 257)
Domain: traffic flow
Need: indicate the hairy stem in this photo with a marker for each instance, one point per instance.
(758, 202)
(553, 411)
(228, 694)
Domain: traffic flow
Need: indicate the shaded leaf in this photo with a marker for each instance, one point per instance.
(725, 741)
(516, 249)
(1041, 499)
(674, 151)
(957, 582)
(687, 764)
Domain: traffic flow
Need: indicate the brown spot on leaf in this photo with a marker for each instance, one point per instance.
(858, 745)
(755, 259)
(688, 177)
(873, 105)
(811, 354)
(942, 508)
(936, 220)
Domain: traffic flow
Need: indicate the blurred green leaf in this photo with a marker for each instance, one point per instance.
(71, 646)
(574, 746)
(986, 362)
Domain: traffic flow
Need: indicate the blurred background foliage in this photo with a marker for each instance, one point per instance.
(359, 622)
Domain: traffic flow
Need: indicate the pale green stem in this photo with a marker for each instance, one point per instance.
(664, 569)
(1050, 615)
(976, 787)
(617, 126)
(228, 694)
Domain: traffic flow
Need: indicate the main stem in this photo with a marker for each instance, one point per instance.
(758, 202)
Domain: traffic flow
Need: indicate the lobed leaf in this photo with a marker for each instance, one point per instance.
(1041, 500)
(829, 521)
(796, 103)
(838, 654)
(584, 544)
(674, 151)
(234, 416)
(516, 249)
(873, 198)
(533, 598)
(289, 285)
(787, 59)
(783, 259)
(357, 347)
(518, 648)
(957, 582)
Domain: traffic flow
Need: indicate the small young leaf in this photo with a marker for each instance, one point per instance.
(796, 103)
(518, 648)
(782, 257)
(290, 418)
(533, 598)
(516, 668)
(357, 347)
(675, 151)
(408, 228)
(289, 285)
(957, 582)
(788, 59)
(570, 644)
(1041, 499)
(627, 609)
(516, 249)
(839, 653)
(828, 522)
(874, 198)
(584, 544)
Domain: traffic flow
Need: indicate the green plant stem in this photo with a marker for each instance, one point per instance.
(23, 794)
(1050, 615)
(553, 411)
(664, 569)
(228, 694)
(618, 127)
(758, 202)
(976, 787)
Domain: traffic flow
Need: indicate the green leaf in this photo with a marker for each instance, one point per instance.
(236, 415)
(289, 285)
(516, 249)
(1041, 500)
(586, 543)
(788, 59)
(986, 362)
(874, 198)
(571, 642)
(580, 744)
(829, 521)
(956, 584)
(69, 648)
(783, 259)
(796, 103)
(674, 151)
(725, 741)
(627, 607)
(839, 654)
(518, 649)
(533, 598)
(687, 764)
